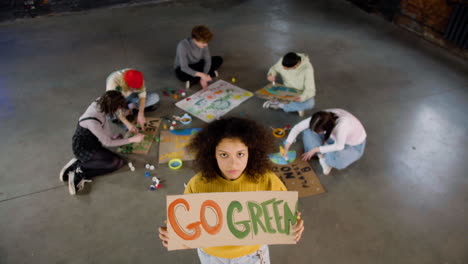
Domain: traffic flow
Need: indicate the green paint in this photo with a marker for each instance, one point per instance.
(267, 216)
(289, 218)
(235, 205)
(127, 149)
(255, 211)
(278, 217)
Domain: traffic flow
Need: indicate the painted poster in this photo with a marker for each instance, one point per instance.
(151, 127)
(231, 218)
(217, 100)
(278, 92)
(172, 144)
(298, 176)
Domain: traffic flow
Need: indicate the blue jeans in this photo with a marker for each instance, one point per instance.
(261, 256)
(299, 106)
(151, 99)
(336, 159)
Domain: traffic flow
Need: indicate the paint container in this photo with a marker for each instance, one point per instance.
(279, 132)
(186, 119)
(175, 164)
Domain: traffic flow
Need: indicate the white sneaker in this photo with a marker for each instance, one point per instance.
(271, 105)
(63, 176)
(187, 85)
(325, 167)
(216, 73)
(301, 113)
(76, 182)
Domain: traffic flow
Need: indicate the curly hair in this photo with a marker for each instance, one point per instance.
(202, 33)
(111, 101)
(254, 136)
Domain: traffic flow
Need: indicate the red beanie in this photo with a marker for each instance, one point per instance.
(134, 79)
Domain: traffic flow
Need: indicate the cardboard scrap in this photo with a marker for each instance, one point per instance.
(231, 218)
(172, 144)
(151, 127)
(299, 176)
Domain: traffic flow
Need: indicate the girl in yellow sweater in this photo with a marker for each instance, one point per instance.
(231, 156)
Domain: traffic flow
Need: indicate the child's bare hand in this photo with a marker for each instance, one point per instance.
(164, 235)
(137, 138)
(299, 227)
(271, 78)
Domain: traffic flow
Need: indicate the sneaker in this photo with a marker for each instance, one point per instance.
(70, 166)
(325, 167)
(216, 73)
(187, 85)
(301, 113)
(76, 182)
(271, 105)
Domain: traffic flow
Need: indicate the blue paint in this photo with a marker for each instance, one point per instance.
(185, 132)
(277, 89)
(278, 159)
(175, 164)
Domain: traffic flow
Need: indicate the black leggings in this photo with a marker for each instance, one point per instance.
(216, 62)
(102, 162)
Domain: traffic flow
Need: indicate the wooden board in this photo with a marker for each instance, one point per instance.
(278, 92)
(151, 127)
(299, 176)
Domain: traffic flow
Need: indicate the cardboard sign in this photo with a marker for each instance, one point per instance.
(278, 92)
(231, 218)
(151, 127)
(299, 176)
(219, 98)
(172, 144)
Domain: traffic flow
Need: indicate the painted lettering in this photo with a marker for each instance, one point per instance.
(239, 233)
(175, 225)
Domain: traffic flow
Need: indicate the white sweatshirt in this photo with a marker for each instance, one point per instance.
(348, 131)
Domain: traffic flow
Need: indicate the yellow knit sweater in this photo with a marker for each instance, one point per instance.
(270, 182)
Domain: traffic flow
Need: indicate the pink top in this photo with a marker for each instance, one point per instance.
(102, 132)
(348, 131)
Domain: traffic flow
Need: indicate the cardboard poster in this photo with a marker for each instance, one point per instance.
(172, 144)
(151, 127)
(299, 176)
(219, 98)
(231, 218)
(278, 92)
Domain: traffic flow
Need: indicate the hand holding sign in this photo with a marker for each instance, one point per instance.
(163, 234)
(299, 228)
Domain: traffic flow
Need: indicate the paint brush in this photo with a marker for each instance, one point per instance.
(283, 154)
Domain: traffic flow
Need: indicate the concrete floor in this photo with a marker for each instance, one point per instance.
(405, 201)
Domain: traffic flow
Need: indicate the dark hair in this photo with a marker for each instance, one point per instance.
(111, 101)
(323, 121)
(254, 136)
(291, 59)
(202, 33)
